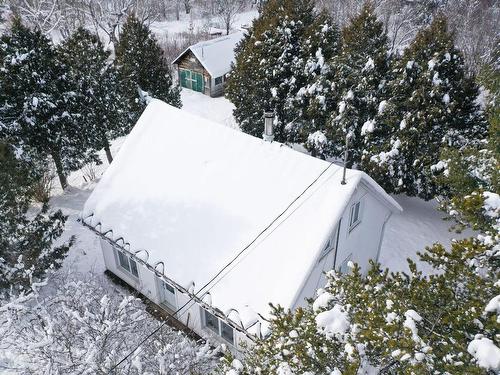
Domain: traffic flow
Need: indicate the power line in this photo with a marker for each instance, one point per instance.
(223, 268)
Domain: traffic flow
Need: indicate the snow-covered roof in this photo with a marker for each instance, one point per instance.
(194, 193)
(216, 55)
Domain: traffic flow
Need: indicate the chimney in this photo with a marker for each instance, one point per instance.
(268, 126)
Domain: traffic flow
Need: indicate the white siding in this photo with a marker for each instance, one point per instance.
(360, 244)
(147, 284)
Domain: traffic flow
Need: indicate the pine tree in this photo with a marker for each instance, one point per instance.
(361, 71)
(36, 99)
(141, 60)
(272, 64)
(105, 110)
(26, 240)
(433, 104)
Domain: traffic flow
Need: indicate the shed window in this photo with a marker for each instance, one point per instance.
(355, 216)
(221, 328)
(127, 263)
(218, 80)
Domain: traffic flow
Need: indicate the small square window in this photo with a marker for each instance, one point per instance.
(126, 263)
(227, 332)
(211, 321)
(218, 80)
(123, 259)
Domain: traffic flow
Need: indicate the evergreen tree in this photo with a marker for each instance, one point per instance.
(36, 101)
(282, 53)
(361, 70)
(105, 110)
(315, 101)
(433, 104)
(26, 241)
(141, 60)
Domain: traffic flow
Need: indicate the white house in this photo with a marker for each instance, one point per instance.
(201, 217)
(203, 66)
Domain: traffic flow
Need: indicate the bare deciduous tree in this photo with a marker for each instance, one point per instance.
(227, 10)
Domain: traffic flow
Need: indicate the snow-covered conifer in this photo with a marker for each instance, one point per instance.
(36, 101)
(270, 66)
(432, 105)
(104, 109)
(360, 78)
(141, 60)
(27, 234)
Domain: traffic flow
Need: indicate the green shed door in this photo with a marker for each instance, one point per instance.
(199, 82)
(184, 78)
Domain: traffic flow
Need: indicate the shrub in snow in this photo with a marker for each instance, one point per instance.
(85, 326)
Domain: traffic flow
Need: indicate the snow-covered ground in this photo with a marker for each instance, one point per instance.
(216, 109)
(197, 23)
(420, 225)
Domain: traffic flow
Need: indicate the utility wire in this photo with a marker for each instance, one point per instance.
(222, 269)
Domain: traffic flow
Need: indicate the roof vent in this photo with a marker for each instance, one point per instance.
(268, 126)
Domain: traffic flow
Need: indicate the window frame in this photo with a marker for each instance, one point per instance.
(344, 266)
(354, 223)
(222, 326)
(221, 78)
(132, 269)
(208, 316)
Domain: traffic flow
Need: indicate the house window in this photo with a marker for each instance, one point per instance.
(344, 266)
(332, 242)
(211, 321)
(355, 216)
(227, 332)
(127, 263)
(218, 80)
(219, 327)
(326, 249)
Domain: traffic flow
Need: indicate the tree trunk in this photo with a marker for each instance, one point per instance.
(108, 151)
(59, 170)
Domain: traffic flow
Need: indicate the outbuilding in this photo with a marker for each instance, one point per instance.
(213, 224)
(203, 67)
